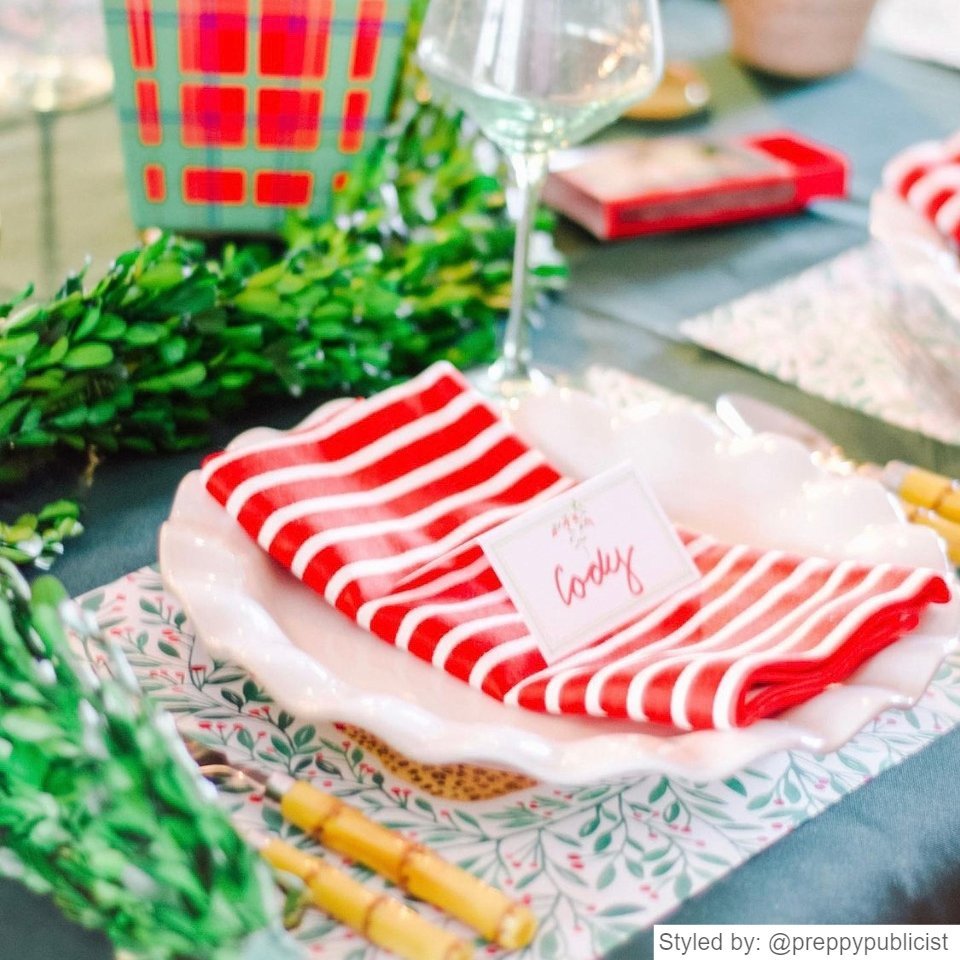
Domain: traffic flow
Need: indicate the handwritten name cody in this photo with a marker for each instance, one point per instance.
(603, 565)
(588, 563)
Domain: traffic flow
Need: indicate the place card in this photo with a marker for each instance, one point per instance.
(589, 560)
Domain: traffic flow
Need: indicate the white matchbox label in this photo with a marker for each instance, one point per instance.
(589, 561)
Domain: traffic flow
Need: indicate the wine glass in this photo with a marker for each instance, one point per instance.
(53, 56)
(537, 75)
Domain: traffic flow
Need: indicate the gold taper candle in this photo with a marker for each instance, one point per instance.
(380, 918)
(416, 869)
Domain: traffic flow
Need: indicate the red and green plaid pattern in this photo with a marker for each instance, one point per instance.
(234, 110)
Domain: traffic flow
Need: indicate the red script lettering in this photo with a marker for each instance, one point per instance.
(603, 566)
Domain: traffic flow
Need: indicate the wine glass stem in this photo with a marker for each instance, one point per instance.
(529, 173)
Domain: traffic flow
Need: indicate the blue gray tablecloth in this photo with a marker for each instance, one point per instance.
(889, 852)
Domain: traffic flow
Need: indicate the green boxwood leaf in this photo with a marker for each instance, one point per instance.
(88, 356)
(183, 378)
(110, 327)
(10, 411)
(18, 345)
(144, 334)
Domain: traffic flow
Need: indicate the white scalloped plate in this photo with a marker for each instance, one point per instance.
(765, 491)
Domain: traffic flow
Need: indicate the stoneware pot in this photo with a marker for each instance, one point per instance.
(802, 39)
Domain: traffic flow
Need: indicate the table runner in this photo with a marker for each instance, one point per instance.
(596, 863)
(827, 330)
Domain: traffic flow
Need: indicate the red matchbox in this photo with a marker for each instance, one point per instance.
(634, 186)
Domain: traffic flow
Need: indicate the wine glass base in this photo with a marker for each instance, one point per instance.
(46, 84)
(504, 387)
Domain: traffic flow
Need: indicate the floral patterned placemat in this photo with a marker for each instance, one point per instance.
(846, 331)
(596, 863)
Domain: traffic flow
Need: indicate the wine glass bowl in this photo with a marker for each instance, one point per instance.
(53, 56)
(535, 76)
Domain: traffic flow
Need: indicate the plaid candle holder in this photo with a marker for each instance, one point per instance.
(233, 111)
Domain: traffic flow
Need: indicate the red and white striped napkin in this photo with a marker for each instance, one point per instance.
(377, 504)
(927, 176)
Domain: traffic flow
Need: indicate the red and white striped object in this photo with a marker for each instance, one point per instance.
(377, 505)
(927, 176)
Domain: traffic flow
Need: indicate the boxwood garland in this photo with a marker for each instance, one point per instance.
(413, 266)
(97, 809)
